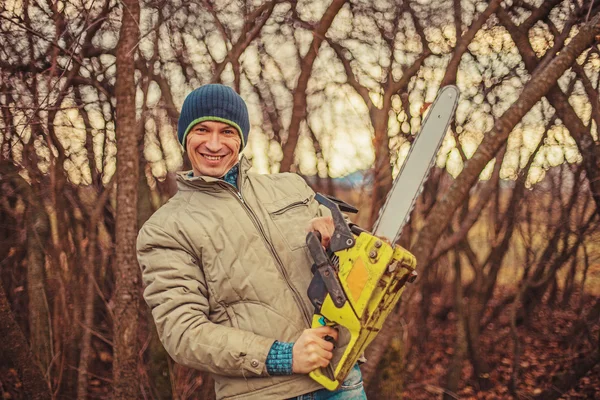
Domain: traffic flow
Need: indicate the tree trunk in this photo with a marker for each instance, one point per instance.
(460, 346)
(38, 228)
(39, 311)
(126, 295)
(88, 314)
(480, 368)
(16, 350)
(382, 170)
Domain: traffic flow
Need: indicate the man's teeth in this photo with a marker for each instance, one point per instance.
(213, 158)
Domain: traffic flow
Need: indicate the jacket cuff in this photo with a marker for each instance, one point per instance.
(255, 360)
(279, 359)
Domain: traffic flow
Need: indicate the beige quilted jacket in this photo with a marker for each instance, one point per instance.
(226, 274)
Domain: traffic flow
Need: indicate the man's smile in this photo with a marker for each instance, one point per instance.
(212, 157)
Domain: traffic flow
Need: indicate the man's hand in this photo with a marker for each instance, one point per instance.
(323, 225)
(312, 351)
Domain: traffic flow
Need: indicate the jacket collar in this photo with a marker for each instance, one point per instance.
(187, 181)
(245, 165)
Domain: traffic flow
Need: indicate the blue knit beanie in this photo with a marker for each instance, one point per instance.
(213, 102)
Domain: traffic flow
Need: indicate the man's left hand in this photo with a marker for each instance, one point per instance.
(323, 225)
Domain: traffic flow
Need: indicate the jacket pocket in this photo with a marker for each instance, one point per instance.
(291, 206)
(291, 218)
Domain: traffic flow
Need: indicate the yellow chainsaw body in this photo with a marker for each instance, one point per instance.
(373, 275)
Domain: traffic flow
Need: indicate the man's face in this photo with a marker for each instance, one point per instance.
(213, 148)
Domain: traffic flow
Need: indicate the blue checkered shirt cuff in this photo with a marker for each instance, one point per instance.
(279, 359)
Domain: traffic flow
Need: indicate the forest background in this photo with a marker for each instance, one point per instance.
(507, 303)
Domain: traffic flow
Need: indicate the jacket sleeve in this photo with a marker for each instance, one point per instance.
(177, 294)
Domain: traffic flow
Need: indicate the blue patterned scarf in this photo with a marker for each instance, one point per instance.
(231, 175)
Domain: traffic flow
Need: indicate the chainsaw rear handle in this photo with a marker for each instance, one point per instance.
(319, 376)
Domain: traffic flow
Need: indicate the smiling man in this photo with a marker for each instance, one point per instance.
(226, 266)
(213, 148)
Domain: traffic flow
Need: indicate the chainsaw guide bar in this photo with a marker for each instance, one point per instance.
(409, 182)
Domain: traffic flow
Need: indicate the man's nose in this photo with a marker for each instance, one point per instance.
(214, 142)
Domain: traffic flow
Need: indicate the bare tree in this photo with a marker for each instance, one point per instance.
(127, 291)
(299, 102)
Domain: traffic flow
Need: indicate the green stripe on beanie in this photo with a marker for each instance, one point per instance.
(213, 102)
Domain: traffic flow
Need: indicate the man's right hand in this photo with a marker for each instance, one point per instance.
(312, 351)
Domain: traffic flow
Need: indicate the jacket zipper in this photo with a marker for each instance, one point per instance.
(271, 249)
(290, 206)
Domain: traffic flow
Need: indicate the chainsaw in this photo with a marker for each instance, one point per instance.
(359, 278)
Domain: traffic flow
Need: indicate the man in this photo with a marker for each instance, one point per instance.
(226, 267)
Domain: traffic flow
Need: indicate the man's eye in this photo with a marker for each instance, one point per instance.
(228, 132)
